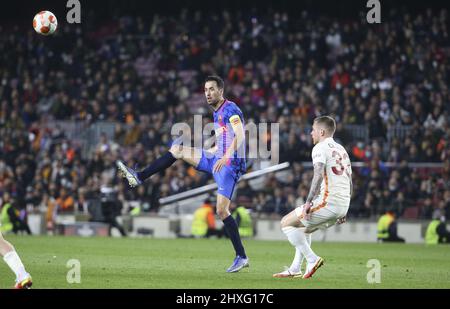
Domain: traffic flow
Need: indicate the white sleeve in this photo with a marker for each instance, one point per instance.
(318, 155)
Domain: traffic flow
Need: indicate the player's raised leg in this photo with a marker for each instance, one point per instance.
(223, 210)
(135, 178)
(12, 259)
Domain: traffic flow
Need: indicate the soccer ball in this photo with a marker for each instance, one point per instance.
(45, 23)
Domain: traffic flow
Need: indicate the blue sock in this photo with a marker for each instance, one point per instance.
(233, 231)
(157, 166)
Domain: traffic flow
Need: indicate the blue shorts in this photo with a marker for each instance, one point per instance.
(226, 178)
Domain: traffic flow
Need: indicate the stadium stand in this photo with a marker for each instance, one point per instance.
(70, 107)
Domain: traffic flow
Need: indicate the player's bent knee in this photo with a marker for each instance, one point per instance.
(176, 151)
(284, 222)
(222, 212)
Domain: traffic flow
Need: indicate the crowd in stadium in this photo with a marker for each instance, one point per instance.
(147, 73)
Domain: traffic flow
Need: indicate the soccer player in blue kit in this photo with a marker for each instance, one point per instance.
(225, 161)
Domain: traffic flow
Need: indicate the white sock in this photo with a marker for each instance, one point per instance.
(308, 239)
(13, 260)
(298, 259)
(299, 240)
(310, 256)
(297, 262)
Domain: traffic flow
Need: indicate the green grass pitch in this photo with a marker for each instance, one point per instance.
(201, 263)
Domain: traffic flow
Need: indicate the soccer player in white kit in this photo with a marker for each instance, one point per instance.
(327, 202)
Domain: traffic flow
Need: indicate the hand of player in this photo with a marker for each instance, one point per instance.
(341, 220)
(306, 210)
(219, 164)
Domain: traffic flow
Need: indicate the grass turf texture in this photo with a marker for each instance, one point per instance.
(201, 263)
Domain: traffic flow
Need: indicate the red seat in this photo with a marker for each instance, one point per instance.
(411, 213)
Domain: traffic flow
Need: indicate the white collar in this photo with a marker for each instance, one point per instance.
(328, 139)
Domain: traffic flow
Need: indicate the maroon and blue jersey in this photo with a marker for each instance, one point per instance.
(227, 114)
(229, 175)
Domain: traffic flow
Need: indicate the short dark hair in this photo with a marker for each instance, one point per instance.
(328, 122)
(214, 78)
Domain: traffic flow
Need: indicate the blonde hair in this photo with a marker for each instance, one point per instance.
(327, 122)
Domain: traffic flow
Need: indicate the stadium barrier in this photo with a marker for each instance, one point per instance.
(354, 230)
(207, 188)
(187, 202)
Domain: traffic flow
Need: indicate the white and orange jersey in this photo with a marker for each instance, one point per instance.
(336, 185)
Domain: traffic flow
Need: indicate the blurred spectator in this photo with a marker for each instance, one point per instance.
(276, 204)
(387, 228)
(65, 202)
(390, 83)
(243, 219)
(13, 219)
(204, 223)
(111, 207)
(436, 232)
(6, 225)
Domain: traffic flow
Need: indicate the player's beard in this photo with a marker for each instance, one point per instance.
(215, 103)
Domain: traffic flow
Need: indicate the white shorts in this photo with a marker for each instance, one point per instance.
(321, 215)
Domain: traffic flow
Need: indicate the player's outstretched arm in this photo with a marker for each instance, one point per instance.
(238, 130)
(319, 169)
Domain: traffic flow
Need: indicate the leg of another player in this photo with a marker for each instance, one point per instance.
(223, 210)
(297, 236)
(12, 259)
(294, 270)
(296, 265)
